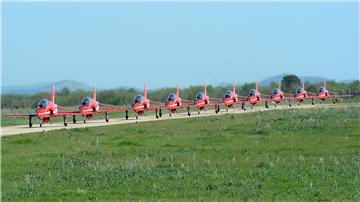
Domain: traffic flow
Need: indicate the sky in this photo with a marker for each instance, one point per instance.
(166, 43)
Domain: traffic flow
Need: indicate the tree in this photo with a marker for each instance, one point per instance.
(289, 83)
(64, 91)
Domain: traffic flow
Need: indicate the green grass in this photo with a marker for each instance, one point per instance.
(292, 154)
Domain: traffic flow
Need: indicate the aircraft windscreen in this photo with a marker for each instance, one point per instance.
(43, 103)
(86, 101)
(172, 97)
(299, 90)
(276, 91)
(138, 99)
(252, 92)
(322, 89)
(228, 94)
(199, 95)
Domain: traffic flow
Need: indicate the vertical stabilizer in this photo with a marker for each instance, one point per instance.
(303, 84)
(205, 88)
(279, 85)
(94, 92)
(177, 91)
(257, 88)
(234, 86)
(145, 90)
(53, 94)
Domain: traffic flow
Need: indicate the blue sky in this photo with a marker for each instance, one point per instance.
(124, 44)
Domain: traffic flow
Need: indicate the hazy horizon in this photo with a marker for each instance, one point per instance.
(124, 44)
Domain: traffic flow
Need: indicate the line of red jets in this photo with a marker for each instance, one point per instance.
(89, 106)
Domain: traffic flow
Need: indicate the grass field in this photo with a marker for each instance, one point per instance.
(294, 154)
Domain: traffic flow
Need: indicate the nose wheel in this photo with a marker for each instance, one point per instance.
(65, 121)
(126, 115)
(30, 123)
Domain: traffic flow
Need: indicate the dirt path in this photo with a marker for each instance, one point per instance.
(22, 129)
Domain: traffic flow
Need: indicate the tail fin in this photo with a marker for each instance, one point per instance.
(144, 89)
(205, 88)
(234, 86)
(325, 84)
(177, 90)
(257, 88)
(279, 85)
(303, 84)
(94, 92)
(53, 94)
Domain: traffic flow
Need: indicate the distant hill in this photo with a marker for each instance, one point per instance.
(43, 87)
(310, 79)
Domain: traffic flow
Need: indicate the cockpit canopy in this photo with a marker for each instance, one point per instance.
(276, 91)
(322, 89)
(86, 101)
(199, 96)
(252, 92)
(43, 103)
(171, 97)
(228, 94)
(299, 90)
(138, 99)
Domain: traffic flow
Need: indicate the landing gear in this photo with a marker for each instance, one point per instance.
(188, 111)
(266, 105)
(30, 124)
(312, 101)
(243, 106)
(126, 115)
(65, 122)
(334, 101)
(84, 120)
(74, 120)
(160, 113)
(106, 117)
(156, 113)
(289, 103)
(217, 109)
(41, 123)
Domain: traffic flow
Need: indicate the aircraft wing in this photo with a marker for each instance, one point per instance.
(113, 110)
(17, 115)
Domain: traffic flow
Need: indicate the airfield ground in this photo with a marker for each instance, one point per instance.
(17, 126)
(293, 154)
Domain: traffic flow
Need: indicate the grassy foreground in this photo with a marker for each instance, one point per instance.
(292, 154)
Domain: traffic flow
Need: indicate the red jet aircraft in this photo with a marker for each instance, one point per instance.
(89, 106)
(301, 94)
(173, 103)
(46, 109)
(230, 97)
(254, 97)
(142, 103)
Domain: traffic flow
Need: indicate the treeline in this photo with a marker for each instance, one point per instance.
(125, 96)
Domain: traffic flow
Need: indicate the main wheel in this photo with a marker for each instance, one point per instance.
(84, 121)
